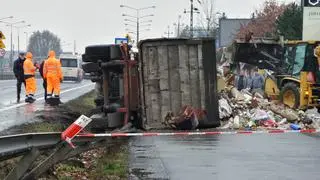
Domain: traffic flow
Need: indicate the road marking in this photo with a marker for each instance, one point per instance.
(42, 98)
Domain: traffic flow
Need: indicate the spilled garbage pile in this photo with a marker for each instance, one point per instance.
(188, 118)
(246, 111)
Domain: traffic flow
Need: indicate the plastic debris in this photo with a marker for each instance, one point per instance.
(225, 110)
(244, 110)
(295, 127)
(236, 122)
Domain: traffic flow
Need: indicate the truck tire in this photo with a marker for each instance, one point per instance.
(102, 53)
(290, 95)
(90, 67)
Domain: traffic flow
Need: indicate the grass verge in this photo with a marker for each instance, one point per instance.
(61, 117)
(109, 163)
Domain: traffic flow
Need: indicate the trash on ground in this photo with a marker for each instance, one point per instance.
(251, 111)
(246, 111)
(187, 119)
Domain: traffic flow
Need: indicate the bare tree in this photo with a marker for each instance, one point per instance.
(40, 43)
(207, 18)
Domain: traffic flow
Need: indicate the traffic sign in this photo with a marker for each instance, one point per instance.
(2, 52)
(121, 40)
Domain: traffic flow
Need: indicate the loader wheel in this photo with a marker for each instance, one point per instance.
(290, 95)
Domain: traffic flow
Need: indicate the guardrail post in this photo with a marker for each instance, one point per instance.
(23, 165)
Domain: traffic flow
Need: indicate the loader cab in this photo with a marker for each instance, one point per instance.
(298, 57)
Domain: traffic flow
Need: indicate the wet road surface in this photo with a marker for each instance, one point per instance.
(12, 113)
(247, 157)
(8, 90)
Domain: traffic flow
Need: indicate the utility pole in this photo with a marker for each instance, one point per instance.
(208, 28)
(191, 20)
(11, 48)
(192, 10)
(138, 24)
(179, 25)
(74, 47)
(168, 33)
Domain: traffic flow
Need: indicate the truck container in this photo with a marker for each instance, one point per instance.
(178, 72)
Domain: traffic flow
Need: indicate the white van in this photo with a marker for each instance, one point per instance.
(71, 67)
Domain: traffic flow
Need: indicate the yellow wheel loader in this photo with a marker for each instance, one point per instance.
(292, 69)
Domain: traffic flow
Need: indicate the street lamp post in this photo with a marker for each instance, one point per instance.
(168, 33)
(27, 39)
(11, 28)
(18, 31)
(178, 25)
(137, 17)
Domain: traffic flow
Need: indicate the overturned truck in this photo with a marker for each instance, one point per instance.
(142, 88)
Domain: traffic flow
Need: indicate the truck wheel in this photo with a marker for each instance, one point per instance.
(290, 95)
(104, 53)
(90, 67)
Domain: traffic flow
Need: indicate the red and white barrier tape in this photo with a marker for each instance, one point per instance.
(75, 129)
(309, 131)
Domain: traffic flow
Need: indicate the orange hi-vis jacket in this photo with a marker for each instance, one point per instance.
(28, 66)
(29, 75)
(52, 67)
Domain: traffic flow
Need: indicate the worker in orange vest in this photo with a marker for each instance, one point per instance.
(29, 70)
(52, 73)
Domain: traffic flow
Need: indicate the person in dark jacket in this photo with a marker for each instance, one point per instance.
(19, 74)
(44, 84)
(241, 81)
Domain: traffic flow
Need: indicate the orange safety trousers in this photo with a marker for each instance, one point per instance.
(31, 86)
(53, 84)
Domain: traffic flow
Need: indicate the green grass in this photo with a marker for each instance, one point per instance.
(43, 127)
(114, 163)
(68, 172)
(111, 164)
(82, 105)
(73, 109)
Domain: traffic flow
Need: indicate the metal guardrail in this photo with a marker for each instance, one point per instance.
(30, 145)
(10, 75)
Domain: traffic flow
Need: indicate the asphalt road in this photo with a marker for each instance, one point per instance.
(12, 113)
(247, 157)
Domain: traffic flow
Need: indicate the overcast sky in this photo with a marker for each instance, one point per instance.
(100, 21)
